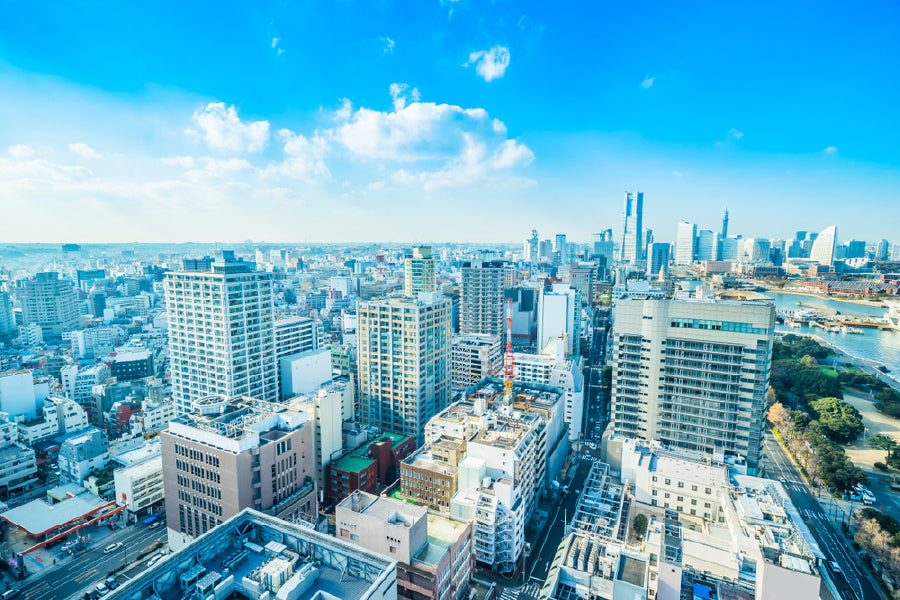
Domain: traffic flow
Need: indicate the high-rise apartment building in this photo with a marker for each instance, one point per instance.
(693, 373)
(404, 362)
(418, 271)
(235, 454)
(483, 296)
(294, 335)
(7, 317)
(559, 314)
(473, 357)
(686, 243)
(221, 332)
(632, 228)
(51, 303)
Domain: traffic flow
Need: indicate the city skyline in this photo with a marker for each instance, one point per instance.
(326, 123)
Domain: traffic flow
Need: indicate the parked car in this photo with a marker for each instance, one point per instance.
(10, 594)
(112, 583)
(113, 547)
(154, 560)
(155, 524)
(101, 589)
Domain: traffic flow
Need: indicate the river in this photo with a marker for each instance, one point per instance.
(874, 344)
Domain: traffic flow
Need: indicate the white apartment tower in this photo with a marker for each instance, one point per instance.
(693, 373)
(221, 332)
(51, 303)
(559, 313)
(419, 273)
(404, 362)
(685, 243)
(474, 357)
(483, 296)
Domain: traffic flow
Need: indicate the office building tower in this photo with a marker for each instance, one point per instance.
(473, 357)
(482, 296)
(707, 245)
(418, 269)
(51, 303)
(235, 454)
(97, 302)
(7, 316)
(585, 278)
(403, 361)
(658, 260)
(559, 314)
(545, 250)
(602, 245)
(730, 248)
(693, 374)
(824, 246)
(855, 249)
(531, 250)
(882, 251)
(632, 228)
(724, 233)
(560, 248)
(221, 332)
(685, 243)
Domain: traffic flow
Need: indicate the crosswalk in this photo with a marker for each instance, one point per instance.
(812, 515)
(530, 590)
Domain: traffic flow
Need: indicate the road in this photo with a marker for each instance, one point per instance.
(74, 576)
(852, 580)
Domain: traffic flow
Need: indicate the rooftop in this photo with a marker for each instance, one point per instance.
(39, 517)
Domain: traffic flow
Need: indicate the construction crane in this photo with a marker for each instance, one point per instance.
(508, 358)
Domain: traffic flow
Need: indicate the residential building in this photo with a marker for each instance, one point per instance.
(59, 416)
(20, 394)
(304, 372)
(483, 296)
(78, 385)
(294, 335)
(270, 558)
(7, 317)
(554, 367)
(96, 341)
(139, 487)
(18, 468)
(329, 407)
(369, 467)
(473, 357)
(559, 314)
(823, 248)
(433, 552)
(51, 303)
(585, 278)
(685, 243)
(154, 416)
(82, 452)
(221, 332)
(693, 373)
(430, 474)
(632, 248)
(419, 272)
(128, 366)
(234, 454)
(403, 362)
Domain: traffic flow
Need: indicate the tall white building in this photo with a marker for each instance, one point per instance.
(419, 272)
(554, 367)
(483, 296)
(685, 243)
(473, 357)
(404, 361)
(294, 335)
(824, 246)
(692, 373)
(221, 332)
(707, 245)
(51, 303)
(559, 312)
(632, 249)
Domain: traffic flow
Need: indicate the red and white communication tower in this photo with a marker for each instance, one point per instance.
(508, 357)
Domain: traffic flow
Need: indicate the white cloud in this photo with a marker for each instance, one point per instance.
(830, 150)
(490, 64)
(344, 111)
(38, 171)
(401, 94)
(305, 157)
(388, 45)
(20, 151)
(680, 173)
(734, 134)
(84, 151)
(185, 162)
(274, 42)
(647, 83)
(223, 130)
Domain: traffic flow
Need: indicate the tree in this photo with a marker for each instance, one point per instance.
(639, 525)
(837, 420)
(809, 362)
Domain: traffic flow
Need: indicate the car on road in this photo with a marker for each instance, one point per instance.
(154, 560)
(835, 567)
(155, 524)
(113, 547)
(112, 583)
(101, 589)
(10, 594)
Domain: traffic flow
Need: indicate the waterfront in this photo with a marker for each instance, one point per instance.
(873, 344)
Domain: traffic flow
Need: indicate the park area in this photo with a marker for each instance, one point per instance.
(874, 422)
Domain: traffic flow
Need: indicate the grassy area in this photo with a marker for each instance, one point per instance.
(828, 370)
(397, 495)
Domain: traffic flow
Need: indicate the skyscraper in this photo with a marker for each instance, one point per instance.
(221, 332)
(725, 225)
(419, 273)
(404, 362)
(632, 228)
(51, 303)
(693, 374)
(707, 245)
(658, 260)
(685, 243)
(560, 248)
(823, 247)
(7, 317)
(482, 296)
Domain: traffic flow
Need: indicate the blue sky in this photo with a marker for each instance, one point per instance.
(436, 121)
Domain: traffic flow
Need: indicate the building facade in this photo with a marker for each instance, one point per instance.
(51, 303)
(693, 373)
(221, 332)
(483, 296)
(419, 272)
(474, 357)
(632, 228)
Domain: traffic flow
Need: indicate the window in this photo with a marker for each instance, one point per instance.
(393, 549)
(708, 491)
(693, 488)
(668, 482)
(693, 502)
(681, 484)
